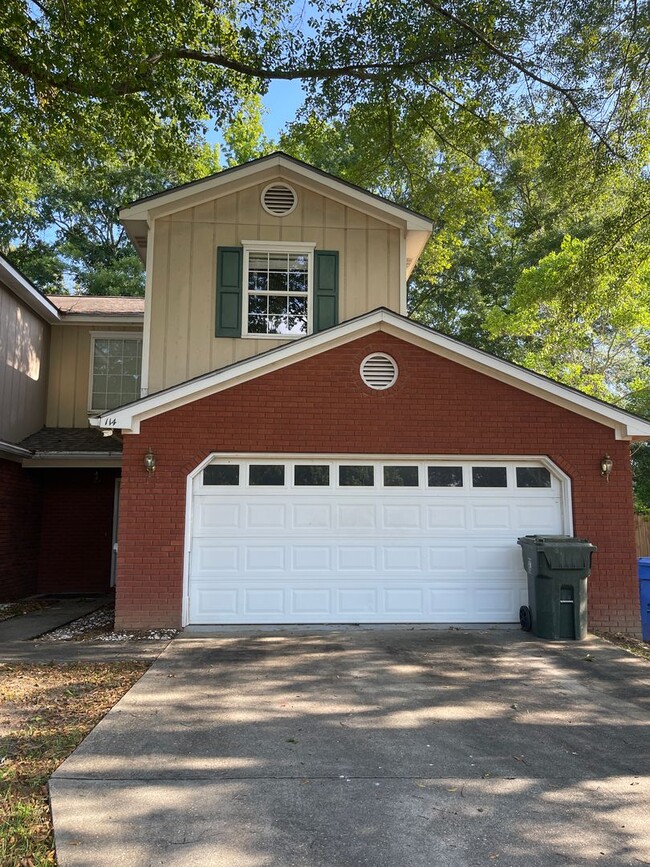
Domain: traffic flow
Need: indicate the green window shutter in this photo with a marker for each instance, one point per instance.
(229, 291)
(326, 289)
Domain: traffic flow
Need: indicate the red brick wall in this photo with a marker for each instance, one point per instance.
(20, 497)
(76, 530)
(321, 405)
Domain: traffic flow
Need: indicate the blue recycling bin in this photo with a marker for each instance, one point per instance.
(644, 592)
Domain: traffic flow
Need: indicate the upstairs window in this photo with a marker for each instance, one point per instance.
(116, 364)
(276, 289)
(278, 285)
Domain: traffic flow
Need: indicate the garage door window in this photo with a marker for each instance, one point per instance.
(489, 477)
(362, 476)
(221, 474)
(445, 477)
(533, 477)
(312, 476)
(266, 474)
(401, 477)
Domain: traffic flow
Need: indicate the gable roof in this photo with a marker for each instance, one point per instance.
(129, 417)
(136, 216)
(27, 292)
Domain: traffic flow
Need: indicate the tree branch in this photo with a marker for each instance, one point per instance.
(565, 92)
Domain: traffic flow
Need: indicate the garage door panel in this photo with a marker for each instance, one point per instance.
(357, 516)
(267, 515)
(500, 559)
(311, 558)
(401, 517)
(446, 560)
(402, 558)
(265, 558)
(330, 554)
(490, 516)
(442, 517)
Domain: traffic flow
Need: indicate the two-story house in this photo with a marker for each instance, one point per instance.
(299, 450)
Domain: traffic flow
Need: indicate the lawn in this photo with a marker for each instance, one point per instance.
(45, 712)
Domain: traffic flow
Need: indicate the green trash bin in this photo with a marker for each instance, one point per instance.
(557, 569)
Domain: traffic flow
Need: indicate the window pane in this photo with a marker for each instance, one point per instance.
(287, 325)
(266, 474)
(258, 261)
(317, 476)
(298, 306)
(489, 477)
(445, 477)
(401, 477)
(257, 324)
(221, 474)
(258, 282)
(298, 262)
(116, 367)
(297, 282)
(278, 305)
(533, 477)
(357, 476)
(278, 281)
(279, 262)
(258, 304)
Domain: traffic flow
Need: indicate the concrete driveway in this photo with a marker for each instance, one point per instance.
(378, 747)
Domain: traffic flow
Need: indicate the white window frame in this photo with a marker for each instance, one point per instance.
(109, 335)
(305, 247)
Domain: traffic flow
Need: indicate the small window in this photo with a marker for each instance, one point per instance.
(401, 477)
(317, 476)
(445, 477)
(116, 365)
(489, 477)
(353, 477)
(533, 477)
(221, 474)
(266, 474)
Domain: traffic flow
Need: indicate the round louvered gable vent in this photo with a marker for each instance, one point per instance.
(279, 199)
(379, 371)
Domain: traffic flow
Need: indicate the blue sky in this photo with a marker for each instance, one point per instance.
(282, 101)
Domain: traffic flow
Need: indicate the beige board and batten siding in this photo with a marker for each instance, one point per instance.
(24, 350)
(183, 279)
(67, 401)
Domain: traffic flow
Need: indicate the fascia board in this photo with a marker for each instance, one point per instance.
(73, 459)
(172, 198)
(28, 294)
(99, 319)
(128, 419)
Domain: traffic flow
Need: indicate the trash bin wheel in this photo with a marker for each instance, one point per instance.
(525, 618)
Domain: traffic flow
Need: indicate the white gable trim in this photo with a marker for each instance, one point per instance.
(129, 418)
(173, 200)
(27, 293)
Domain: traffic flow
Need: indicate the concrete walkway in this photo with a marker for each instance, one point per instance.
(385, 748)
(17, 634)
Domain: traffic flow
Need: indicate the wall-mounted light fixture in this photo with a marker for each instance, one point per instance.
(606, 466)
(150, 461)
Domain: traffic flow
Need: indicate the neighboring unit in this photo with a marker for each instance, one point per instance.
(296, 449)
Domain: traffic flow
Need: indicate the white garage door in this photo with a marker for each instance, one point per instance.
(333, 541)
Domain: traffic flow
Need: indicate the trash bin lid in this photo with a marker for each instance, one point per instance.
(562, 552)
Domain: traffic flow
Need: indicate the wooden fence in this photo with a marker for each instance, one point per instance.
(642, 526)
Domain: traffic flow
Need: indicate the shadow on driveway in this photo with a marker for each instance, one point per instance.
(390, 747)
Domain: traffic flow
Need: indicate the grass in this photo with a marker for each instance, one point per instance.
(45, 712)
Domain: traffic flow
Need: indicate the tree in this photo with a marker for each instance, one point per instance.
(71, 240)
(148, 77)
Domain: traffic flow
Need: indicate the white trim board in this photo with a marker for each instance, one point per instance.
(129, 417)
(14, 281)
